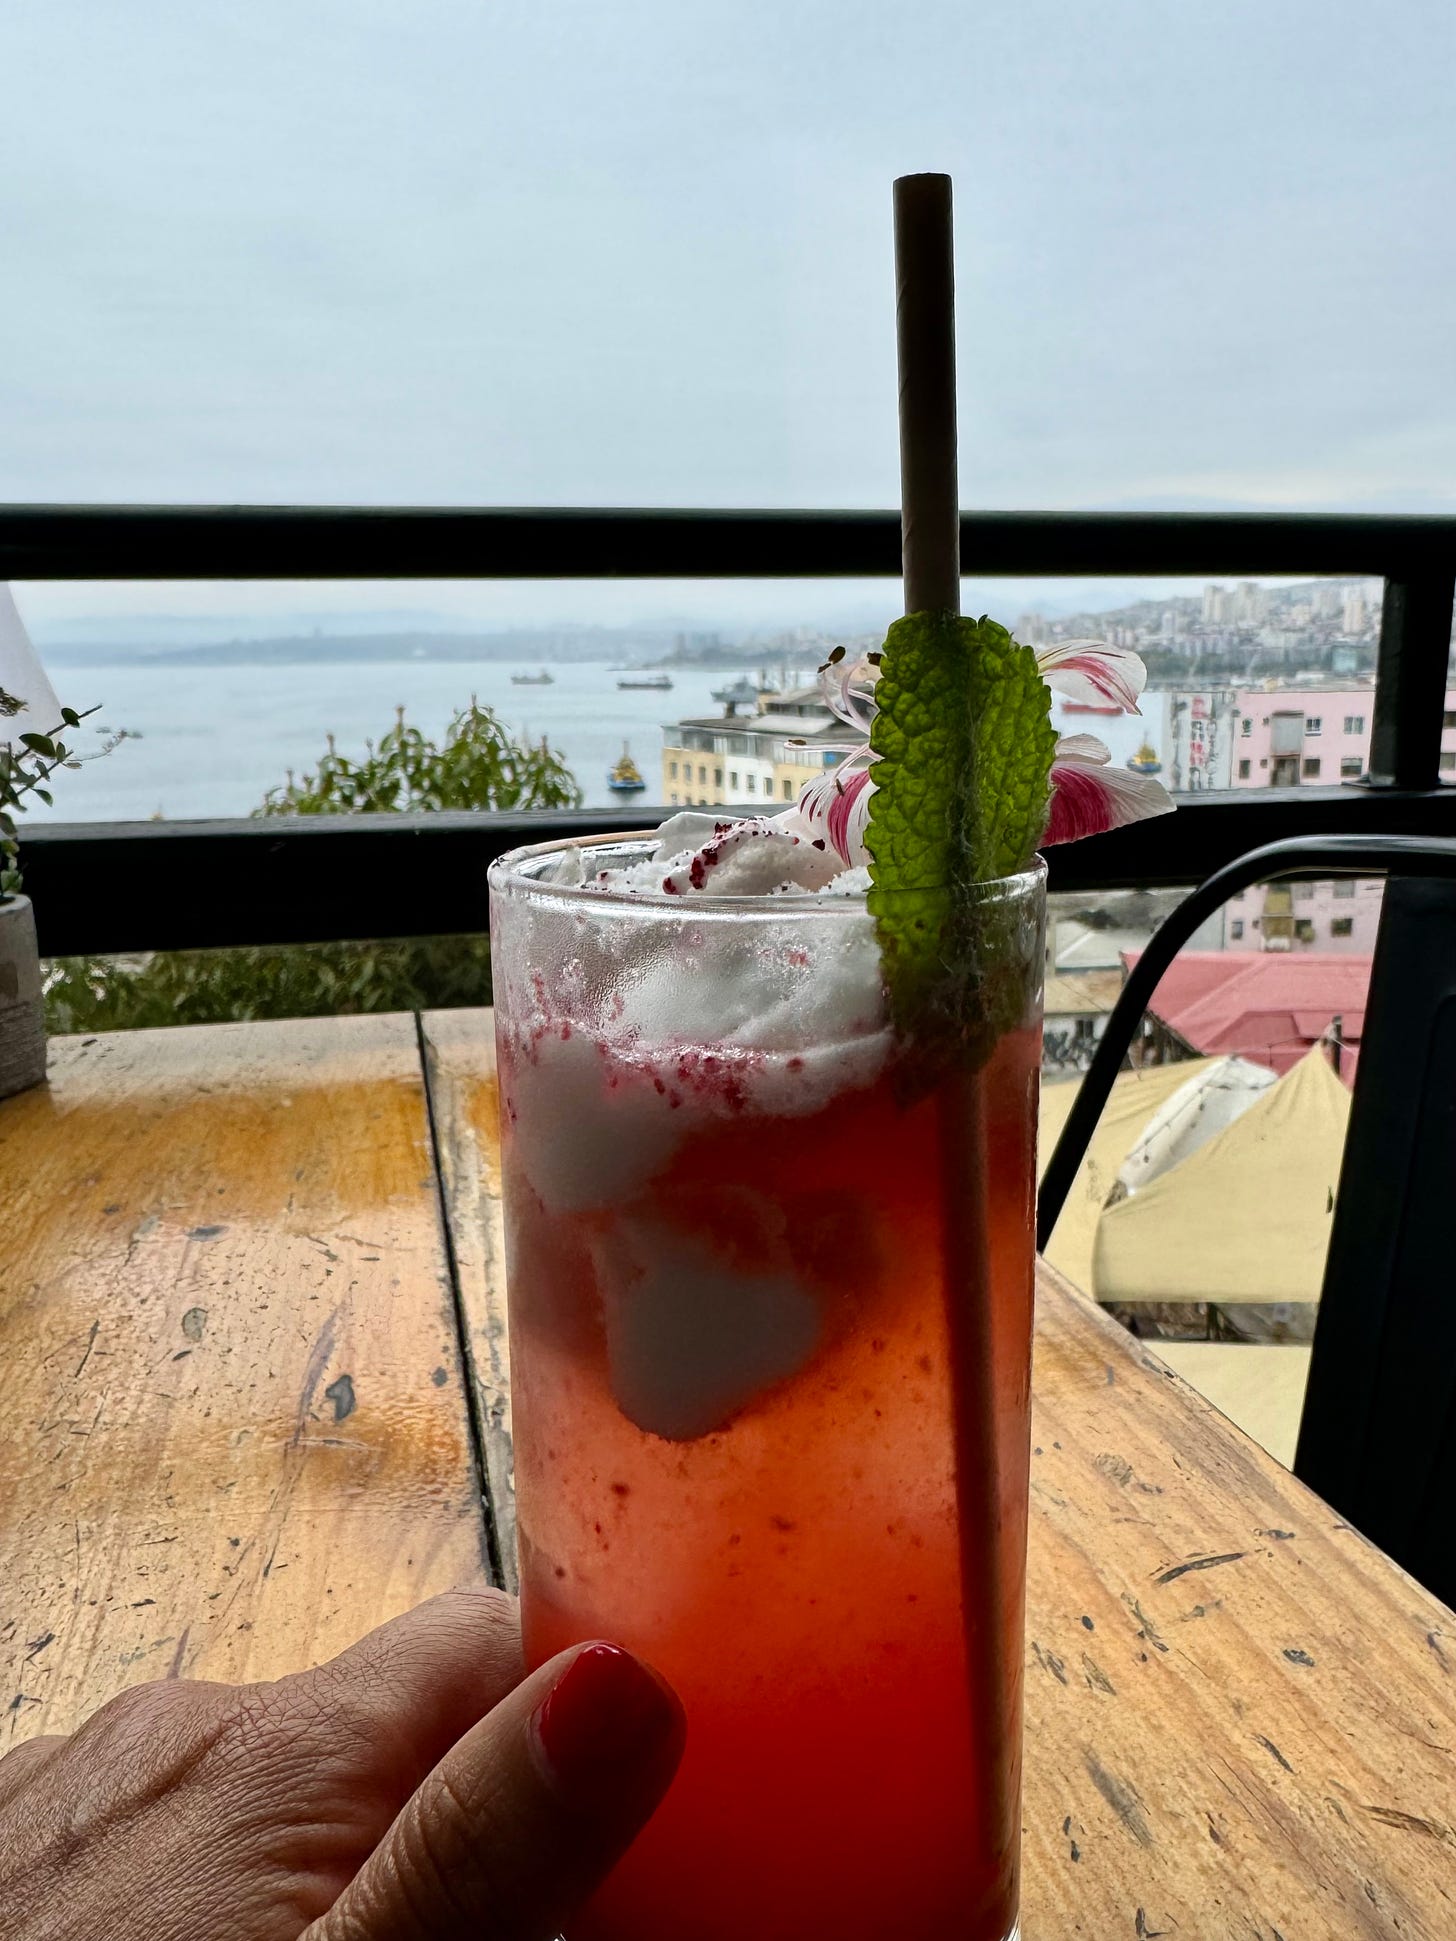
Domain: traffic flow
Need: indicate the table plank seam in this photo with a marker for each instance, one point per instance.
(490, 1534)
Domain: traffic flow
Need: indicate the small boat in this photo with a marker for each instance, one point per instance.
(1088, 707)
(1145, 761)
(542, 678)
(657, 683)
(626, 777)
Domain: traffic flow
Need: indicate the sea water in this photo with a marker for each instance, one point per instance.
(214, 739)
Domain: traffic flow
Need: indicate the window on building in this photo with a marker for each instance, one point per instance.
(788, 790)
(702, 771)
(1303, 930)
(1243, 771)
(1246, 726)
(1354, 724)
(1342, 926)
(1345, 886)
(1351, 768)
(1265, 762)
(1313, 724)
(1253, 923)
(1448, 719)
(733, 778)
(1304, 892)
(753, 785)
(1448, 758)
(673, 798)
(672, 773)
(1236, 928)
(1311, 768)
(1264, 721)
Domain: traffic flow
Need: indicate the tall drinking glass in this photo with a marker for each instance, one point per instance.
(770, 1281)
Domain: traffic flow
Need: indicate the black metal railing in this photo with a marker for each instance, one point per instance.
(136, 886)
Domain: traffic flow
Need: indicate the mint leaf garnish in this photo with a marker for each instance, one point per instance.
(964, 741)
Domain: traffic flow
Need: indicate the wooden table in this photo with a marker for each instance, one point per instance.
(256, 1400)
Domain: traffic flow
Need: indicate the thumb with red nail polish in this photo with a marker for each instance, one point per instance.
(526, 1814)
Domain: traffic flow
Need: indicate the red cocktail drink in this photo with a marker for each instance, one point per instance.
(770, 1293)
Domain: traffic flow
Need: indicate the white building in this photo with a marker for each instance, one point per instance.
(1193, 729)
(1249, 604)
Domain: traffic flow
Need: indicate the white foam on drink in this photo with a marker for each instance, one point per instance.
(689, 1342)
(590, 1130)
(709, 1023)
(594, 1123)
(699, 856)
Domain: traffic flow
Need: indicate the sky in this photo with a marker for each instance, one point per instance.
(556, 252)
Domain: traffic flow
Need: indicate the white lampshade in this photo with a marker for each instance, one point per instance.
(22, 676)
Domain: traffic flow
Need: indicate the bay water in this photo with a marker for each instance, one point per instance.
(215, 738)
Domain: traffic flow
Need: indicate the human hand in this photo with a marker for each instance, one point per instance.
(416, 1788)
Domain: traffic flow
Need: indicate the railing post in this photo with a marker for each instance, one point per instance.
(1410, 682)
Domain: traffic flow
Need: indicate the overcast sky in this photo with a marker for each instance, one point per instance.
(468, 251)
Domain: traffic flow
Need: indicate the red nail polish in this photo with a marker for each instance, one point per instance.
(610, 1730)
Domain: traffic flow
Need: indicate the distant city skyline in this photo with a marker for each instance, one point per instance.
(193, 613)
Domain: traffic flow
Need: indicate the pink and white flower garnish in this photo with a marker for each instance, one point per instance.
(1089, 794)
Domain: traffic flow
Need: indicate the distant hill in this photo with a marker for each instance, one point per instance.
(527, 645)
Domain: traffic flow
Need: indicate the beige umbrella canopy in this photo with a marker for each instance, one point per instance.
(1136, 1098)
(23, 678)
(1246, 1218)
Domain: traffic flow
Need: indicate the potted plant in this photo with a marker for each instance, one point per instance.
(26, 765)
(30, 754)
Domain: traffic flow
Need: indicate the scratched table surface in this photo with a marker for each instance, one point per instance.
(256, 1392)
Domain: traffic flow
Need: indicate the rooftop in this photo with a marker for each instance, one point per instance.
(1088, 991)
(805, 727)
(1271, 1006)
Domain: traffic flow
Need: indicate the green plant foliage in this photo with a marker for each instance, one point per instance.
(27, 763)
(965, 744)
(281, 981)
(478, 764)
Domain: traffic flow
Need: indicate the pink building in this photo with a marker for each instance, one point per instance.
(1292, 737)
(1339, 917)
(1287, 736)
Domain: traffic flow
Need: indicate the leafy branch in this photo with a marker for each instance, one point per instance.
(479, 764)
(26, 765)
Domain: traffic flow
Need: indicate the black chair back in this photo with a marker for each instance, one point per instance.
(1378, 1433)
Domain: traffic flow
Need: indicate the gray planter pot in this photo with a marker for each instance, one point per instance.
(22, 1015)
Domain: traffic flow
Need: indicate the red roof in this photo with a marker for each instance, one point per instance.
(1270, 1006)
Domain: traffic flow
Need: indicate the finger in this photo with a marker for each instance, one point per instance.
(23, 1762)
(522, 1819)
(409, 1690)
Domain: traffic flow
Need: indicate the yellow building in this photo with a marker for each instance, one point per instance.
(759, 760)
